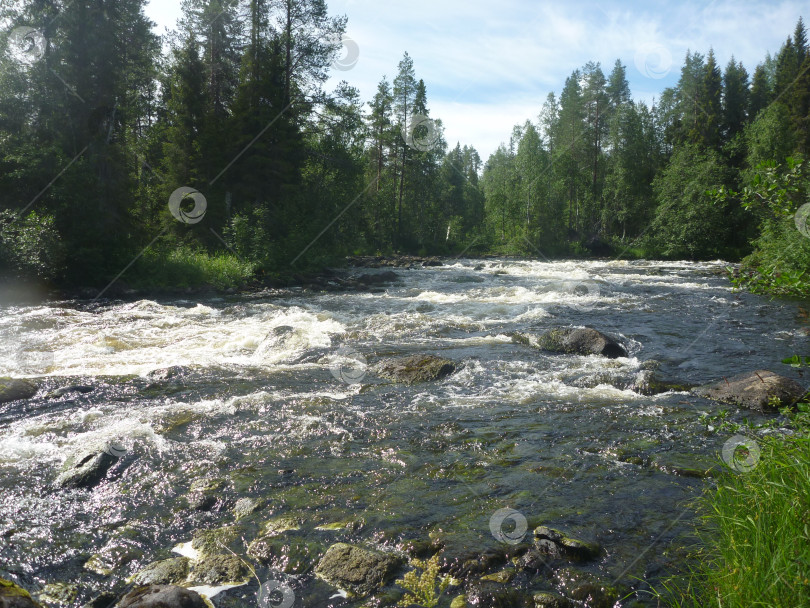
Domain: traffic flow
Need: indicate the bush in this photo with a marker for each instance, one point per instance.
(30, 247)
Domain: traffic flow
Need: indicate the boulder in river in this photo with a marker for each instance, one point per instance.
(574, 341)
(14, 596)
(12, 389)
(558, 544)
(85, 468)
(218, 570)
(162, 596)
(759, 390)
(356, 568)
(416, 368)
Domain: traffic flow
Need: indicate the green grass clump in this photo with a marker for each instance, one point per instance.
(756, 529)
(187, 267)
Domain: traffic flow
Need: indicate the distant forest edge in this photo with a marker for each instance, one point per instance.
(105, 126)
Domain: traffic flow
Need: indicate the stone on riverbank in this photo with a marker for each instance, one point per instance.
(13, 389)
(356, 568)
(14, 596)
(759, 390)
(85, 468)
(416, 368)
(162, 596)
(574, 341)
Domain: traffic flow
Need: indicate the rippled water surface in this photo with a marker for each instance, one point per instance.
(259, 400)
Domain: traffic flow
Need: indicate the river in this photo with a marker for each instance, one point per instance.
(260, 401)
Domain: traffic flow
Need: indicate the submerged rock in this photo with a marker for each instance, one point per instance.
(14, 596)
(558, 544)
(85, 468)
(647, 382)
(356, 568)
(574, 341)
(164, 572)
(286, 553)
(380, 278)
(13, 389)
(162, 596)
(760, 390)
(416, 368)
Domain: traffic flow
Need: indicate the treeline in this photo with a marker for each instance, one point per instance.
(101, 122)
(215, 154)
(599, 172)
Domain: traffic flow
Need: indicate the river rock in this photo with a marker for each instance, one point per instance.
(161, 596)
(380, 278)
(755, 390)
(14, 596)
(494, 595)
(357, 568)
(165, 572)
(544, 599)
(574, 341)
(286, 553)
(12, 389)
(559, 544)
(416, 368)
(85, 468)
(217, 570)
(647, 382)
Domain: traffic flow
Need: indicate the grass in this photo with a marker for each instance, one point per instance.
(186, 267)
(756, 530)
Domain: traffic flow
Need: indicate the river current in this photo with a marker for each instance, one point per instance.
(268, 397)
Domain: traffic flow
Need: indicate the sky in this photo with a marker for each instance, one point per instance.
(489, 65)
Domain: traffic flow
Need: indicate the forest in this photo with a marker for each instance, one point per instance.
(214, 155)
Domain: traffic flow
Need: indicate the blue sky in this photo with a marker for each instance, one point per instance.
(490, 65)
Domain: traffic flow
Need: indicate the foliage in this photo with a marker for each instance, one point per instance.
(29, 246)
(424, 589)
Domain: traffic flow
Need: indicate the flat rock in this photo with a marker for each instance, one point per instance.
(12, 389)
(416, 368)
(757, 390)
(161, 596)
(85, 469)
(218, 569)
(14, 596)
(357, 568)
(574, 341)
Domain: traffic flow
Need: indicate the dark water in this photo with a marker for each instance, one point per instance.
(270, 398)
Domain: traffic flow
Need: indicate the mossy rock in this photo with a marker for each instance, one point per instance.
(358, 569)
(165, 572)
(460, 601)
(545, 599)
(14, 389)
(61, 594)
(14, 596)
(503, 576)
(85, 468)
(760, 390)
(211, 542)
(588, 588)
(416, 368)
(684, 465)
(280, 525)
(247, 506)
(287, 553)
(558, 543)
(113, 557)
(218, 570)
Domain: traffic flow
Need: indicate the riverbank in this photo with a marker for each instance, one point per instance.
(755, 529)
